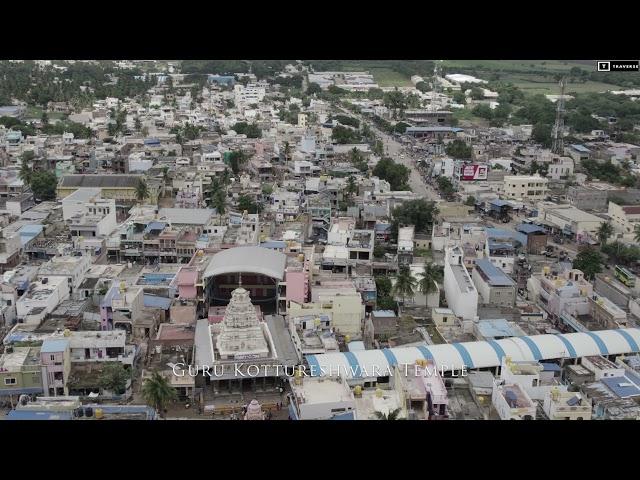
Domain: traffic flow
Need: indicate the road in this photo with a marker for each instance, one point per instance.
(393, 149)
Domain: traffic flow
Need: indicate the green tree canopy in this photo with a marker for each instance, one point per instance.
(43, 185)
(589, 261)
(459, 150)
(395, 173)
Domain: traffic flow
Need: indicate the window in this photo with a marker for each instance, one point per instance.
(10, 381)
(52, 357)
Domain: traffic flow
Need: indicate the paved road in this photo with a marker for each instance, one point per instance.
(393, 149)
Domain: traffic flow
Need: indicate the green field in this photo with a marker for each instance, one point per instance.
(385, 77)
(35, 113)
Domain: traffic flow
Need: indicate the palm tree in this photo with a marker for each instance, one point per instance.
(604, 232)
(392, 415)
(405, 284)
(429, 277)
(286, 151)
(26, 172)
(142, 190)
(636, 231)
(158, 392)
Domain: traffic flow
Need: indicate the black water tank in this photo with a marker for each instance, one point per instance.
(88, 412)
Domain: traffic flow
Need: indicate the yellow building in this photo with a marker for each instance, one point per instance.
(525, 187)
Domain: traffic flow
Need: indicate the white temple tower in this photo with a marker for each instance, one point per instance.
(242, 335)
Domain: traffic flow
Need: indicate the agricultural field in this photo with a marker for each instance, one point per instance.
(385, 77)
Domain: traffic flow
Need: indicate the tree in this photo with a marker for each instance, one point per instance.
(142, 190)
(589, 261)
(477, 93)
(392, 415)
(483, 111)
(43, 185)
(459, 98)
(471, 201)
(445, 186)
(286, 151)
(378, 251)
(430, 275)
(604, 232)
(343, 135)
(313, 88)
(636, 232)
(541, 133)
(26, 171)
(138, 124)
(237, 158)
(459, 150)
(420, 213)
(405, 284)
(44, 118)
(395, 173)
(246, 203)
(114, 378)
(158, 392)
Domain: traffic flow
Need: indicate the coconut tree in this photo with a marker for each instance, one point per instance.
(26, 172)
(352, 187)
(429, 276)
(405, 284)
(604, 232)
(158, 392)
(142, 190)
(636, 231)
(392, 415)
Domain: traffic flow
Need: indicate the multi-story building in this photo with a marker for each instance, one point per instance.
(74, 268)
(494, 286)
(525, 187)
(55, 359)
(20, 371)
(512, 403)
(405, 245)
(624, 219)
(41, 298)
(460, 292)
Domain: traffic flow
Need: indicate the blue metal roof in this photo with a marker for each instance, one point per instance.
(152, 141)
(155, 226)
(496, 277)
(344, 416)
(154, 301)
(54, 345)
(34, 415)
(28, 232)
(623, 387)
(529, 228)
(550, 367)
(356, 345)
(580, 148)
(499, 203)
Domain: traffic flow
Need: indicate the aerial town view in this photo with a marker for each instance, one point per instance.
(319, 240)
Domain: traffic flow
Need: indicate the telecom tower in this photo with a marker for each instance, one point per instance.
(558, 127)
(435, 90)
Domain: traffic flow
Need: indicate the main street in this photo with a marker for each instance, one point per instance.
(394, 149)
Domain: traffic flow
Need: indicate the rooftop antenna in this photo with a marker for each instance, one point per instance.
(558, 127)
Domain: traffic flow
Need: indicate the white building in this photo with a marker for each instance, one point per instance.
(559, 405)
(317, 398)
(74, 268)
(624, 219)
(98, 346)
(512, 402)
(460, 292)
(41, 298)
(88, 214)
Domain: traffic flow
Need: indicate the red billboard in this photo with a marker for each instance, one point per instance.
(472, 172)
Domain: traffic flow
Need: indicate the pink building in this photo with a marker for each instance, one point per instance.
(55, 358)
(187, 278)
(297, 280)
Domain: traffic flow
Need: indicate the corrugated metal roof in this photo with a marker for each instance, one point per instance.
(100, 181)
(496, 277)
(482, 354)
(154, 301)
